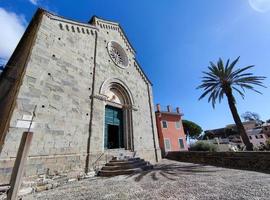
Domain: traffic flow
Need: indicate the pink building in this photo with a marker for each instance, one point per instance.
(266, 130)
(256, 136)
(170, 129)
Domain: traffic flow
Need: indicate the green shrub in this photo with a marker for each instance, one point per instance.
(263, 147)
(203, 146)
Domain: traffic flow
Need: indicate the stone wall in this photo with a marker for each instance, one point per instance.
(57, 80)
(257, 161)
(67, 67)
(11, 78)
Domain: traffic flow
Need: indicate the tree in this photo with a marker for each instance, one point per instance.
(192, 130)
(222, 80)
(252, 116)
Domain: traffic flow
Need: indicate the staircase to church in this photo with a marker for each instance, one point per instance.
(123, 165)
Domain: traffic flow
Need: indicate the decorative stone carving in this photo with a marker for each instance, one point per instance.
(117, 54)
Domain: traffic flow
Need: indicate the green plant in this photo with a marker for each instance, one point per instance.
(191, 129)
(263, 147)
(203, 146)
(222, 80)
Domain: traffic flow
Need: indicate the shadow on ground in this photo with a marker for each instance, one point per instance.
(171, 171)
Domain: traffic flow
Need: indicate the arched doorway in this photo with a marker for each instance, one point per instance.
(113, 127)
(118, 130)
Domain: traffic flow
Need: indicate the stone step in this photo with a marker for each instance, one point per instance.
(107, 173)
(128, 166)
(119, 152)
(124, 166)
(123, 163)
(124, 160)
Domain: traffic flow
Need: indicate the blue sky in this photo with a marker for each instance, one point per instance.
(174, 40)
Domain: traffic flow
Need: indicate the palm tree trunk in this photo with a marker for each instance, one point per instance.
(237, 120)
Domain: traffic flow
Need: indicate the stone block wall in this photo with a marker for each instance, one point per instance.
(68, 64)
(58, 80)
(134, 79)
(256, 161)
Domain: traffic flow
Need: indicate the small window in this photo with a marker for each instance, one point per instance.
(177, 125)
(61, 26)
(167, 144)
(181, 143)
(73, 29)
(256, 136)
(250, 137)
(164, 124)
(261, 136)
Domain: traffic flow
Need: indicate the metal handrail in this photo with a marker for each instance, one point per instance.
(94, 163)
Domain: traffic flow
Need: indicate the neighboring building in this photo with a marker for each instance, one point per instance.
(247, 125)
(170, 130)
(257, 134)
(226, 138)
(266, 129)
(91, 94)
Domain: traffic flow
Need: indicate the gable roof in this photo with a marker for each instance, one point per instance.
(93, 21)
(93, 24)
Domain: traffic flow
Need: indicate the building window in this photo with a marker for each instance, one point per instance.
(167, 143)
(250, 137)
(164, 124)
(181, 143)
(256, 136)
(177, 125)
(117, 54)
(261, 136)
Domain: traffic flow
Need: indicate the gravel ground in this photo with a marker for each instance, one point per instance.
(168, 180)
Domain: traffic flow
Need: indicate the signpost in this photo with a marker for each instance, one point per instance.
(19, 165)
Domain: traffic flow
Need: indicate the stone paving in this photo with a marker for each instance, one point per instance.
(168, 180)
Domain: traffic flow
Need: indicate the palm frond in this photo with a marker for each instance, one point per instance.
(238, 71)
(239, 91)
(207, 90)
(231, 66)
(222, 79)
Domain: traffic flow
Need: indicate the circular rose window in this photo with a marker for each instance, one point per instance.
(117, 54)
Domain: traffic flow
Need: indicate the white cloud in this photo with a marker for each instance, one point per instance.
(260, 5)
(12, 28)
(35, 2)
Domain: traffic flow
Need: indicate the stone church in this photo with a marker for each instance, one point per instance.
(90, 93)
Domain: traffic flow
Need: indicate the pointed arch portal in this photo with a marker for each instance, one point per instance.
(118, 130)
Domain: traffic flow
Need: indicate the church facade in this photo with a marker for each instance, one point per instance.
(91, 96)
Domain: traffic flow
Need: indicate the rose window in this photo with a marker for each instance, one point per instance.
(117, 54)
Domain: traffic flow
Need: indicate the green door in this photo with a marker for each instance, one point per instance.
(113, 136)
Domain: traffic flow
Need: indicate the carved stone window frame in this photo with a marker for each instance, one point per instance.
(121, 51)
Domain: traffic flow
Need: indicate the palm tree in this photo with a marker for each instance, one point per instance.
(223, 80)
